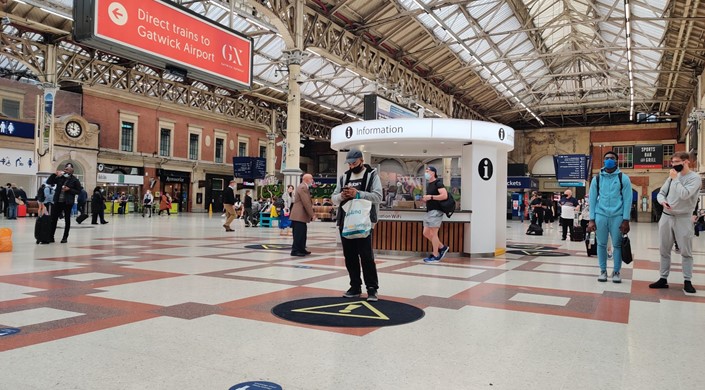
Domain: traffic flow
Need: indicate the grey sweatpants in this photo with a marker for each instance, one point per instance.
(679, 229)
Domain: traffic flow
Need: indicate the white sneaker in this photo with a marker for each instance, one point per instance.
(602, 277)
(616, 278)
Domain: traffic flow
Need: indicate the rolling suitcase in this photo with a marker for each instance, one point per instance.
(42, 230)
(534, 230)
(578, 234)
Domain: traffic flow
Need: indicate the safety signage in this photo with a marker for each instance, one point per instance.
(359, 309)
(163, 34)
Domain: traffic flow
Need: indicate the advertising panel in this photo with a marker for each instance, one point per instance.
(648, 156)
(166, 35)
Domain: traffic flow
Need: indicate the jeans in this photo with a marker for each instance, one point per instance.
(12, 211)
(609, 226)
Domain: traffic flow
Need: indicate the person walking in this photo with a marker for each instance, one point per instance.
(3, 201)
(284, 220)
(147, 203)
(522, 208)
(248, 209)
(678, 196)
(611, 198)
(568, 204)
(360, 180)
(67, 187)
(301, 214)
(165, 204)
(82, 199)
(229, 205)
(98, 207)
(435, 193)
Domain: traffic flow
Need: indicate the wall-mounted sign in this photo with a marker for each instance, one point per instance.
(485, 169)
(648, 156)
(515, 182)
(120, 179)
(13, 128)
(173, 176)
(574, 167)
(163, 34)
(18, 162)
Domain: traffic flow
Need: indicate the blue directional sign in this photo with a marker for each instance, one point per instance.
(13, 128)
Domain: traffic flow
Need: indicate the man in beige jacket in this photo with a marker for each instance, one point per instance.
(301, 214)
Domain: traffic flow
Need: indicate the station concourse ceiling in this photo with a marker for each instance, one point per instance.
(525, 63)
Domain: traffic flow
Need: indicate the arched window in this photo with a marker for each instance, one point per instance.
(78, 170)
(544, 167)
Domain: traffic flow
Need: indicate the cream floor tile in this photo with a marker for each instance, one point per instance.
(192, 266)
(441, 270)
(88, 276)
(572, 269)
(190, 251)
(22, 318)
(404, 286)
(538, 298)
(32, 266)
(9, 292)
(191, 288)
(559, 282)
(282, 273)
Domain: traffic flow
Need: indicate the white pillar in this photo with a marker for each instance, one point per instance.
(500, 173)
(479, 194)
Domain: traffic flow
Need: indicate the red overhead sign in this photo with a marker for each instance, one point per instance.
(153, 29)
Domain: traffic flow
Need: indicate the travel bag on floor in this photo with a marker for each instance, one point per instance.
(42, 229)
(534, 230)
(578, 234)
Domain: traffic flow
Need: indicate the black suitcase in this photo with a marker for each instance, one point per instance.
(578, 234)
(534, 230)
(42, 230)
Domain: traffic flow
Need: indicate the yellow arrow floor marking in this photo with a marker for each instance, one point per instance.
(348, 307)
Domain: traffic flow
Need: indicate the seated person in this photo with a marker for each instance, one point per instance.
(327, 202)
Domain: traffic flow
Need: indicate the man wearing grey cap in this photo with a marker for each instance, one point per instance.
(67, 187)
(435, 192)
(359, 181)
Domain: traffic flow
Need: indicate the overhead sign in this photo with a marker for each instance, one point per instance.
(377, 107)
(648, 156)
(571, 183)
(120, 179)
(163, 34)
(12, 128)
(574, 167)
(18, 162)
(250, 167)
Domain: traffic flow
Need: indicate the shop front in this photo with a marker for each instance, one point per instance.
(177, 184)
(115, 185)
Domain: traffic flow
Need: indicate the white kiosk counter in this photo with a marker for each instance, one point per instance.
(483, 148)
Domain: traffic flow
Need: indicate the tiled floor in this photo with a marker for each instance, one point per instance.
(176, 302)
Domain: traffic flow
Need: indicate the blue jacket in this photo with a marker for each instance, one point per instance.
(609, 202)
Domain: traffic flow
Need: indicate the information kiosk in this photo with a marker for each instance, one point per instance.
(479, 227)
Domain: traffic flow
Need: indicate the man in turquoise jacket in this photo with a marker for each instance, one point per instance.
(610, 198)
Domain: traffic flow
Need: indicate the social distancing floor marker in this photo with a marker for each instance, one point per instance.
(346, 311)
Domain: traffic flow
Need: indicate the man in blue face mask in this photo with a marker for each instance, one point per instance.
(610, 198)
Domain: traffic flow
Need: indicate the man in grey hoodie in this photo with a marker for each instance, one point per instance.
(678, 196)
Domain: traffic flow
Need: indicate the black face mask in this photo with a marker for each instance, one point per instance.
(678, 167)
(357, 169)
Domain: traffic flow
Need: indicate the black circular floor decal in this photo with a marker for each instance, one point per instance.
(349, 313)
(532, 247)
(529, 252)
(270, 247)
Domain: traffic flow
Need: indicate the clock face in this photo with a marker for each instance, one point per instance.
(73, 129)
